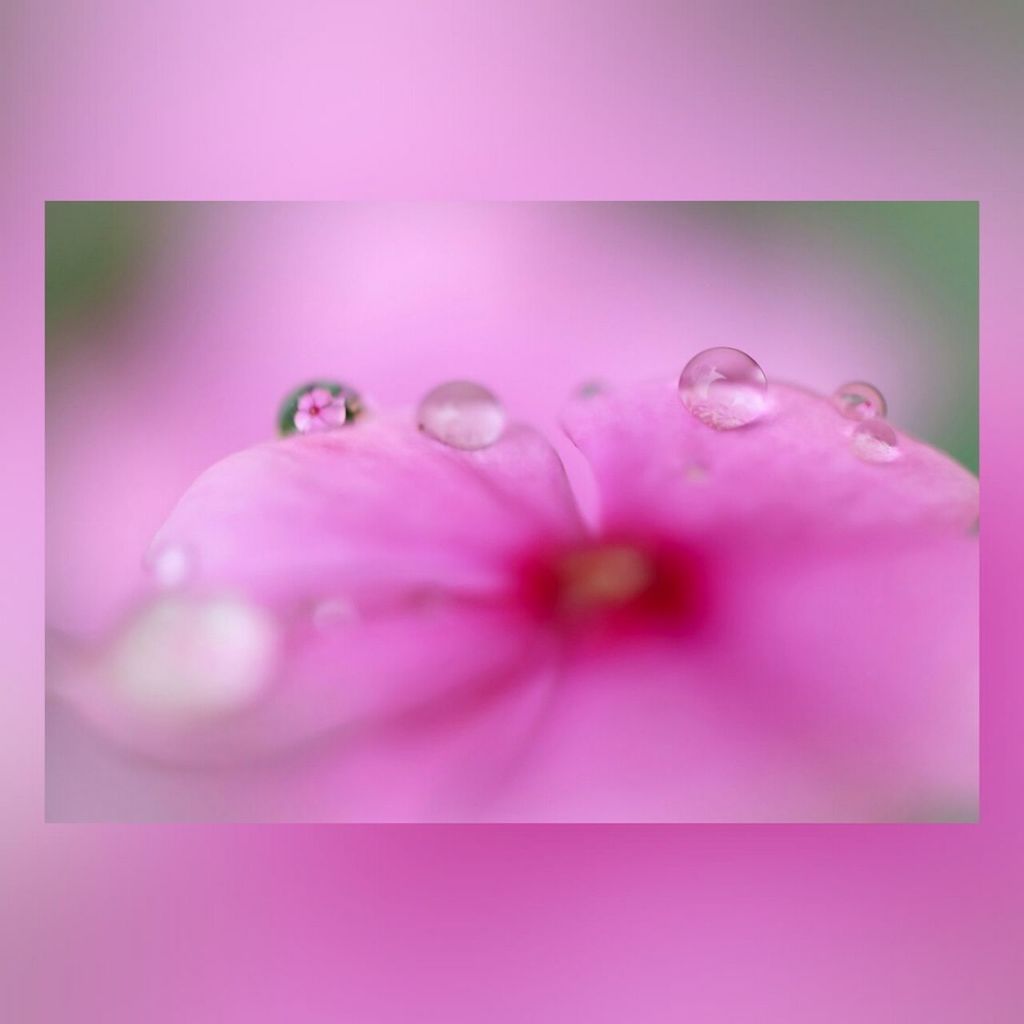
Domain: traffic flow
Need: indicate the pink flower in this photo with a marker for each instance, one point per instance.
(319, 410)
(764, 623)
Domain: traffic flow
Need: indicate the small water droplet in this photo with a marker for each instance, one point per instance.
(860, 401)
(462, 414)
(875, 441)
(171, 565)
(318, 406)
(333, 612)
(724, 388)
(591, 389)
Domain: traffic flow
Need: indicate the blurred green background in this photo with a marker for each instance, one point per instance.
(102, 260)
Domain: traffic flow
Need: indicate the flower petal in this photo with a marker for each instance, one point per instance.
(839, 686)
(212, 679)
(442, 765)
(335, 413)
(792, 474)
(385, 560)
(377, 507)
(835, 671)
(869, 650)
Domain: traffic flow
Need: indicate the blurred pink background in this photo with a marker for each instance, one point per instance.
(387, 924)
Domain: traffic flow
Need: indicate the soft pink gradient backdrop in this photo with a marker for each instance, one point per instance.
(789, 924)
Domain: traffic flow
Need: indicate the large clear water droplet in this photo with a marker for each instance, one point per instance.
(171, 565)
(860, 401)
(318, 406)
(875, 441)
(724, 388)
(462, 414)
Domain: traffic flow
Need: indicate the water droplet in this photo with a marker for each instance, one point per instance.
(860, 401)
(462, 414)
(182, 657)
(333, 612)
(875, 441)
(591, 389)
(318, 406)
(724, 388)
(170, 565)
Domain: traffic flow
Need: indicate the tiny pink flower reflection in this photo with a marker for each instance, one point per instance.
(763, 624)
(318, 410)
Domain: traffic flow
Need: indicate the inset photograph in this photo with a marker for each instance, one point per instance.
(512, 512)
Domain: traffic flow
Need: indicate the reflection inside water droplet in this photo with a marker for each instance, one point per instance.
(724, 388)
(860, 401)
(318, 406)
(462, 414)
(875, 441)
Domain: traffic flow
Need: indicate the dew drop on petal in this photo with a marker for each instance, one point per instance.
(318, 406)
(860, 401)
(724, 388)
(190, 658)
(591, 389)
(462, 414)
(170, 566)
(875, 441)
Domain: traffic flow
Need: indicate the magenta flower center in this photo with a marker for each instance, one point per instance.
(625, 581)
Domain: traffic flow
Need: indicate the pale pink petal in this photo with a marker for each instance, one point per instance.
(870, 651)
(303, 421)
(445, 763)
(837, 688)
(832, 672)
(377, 507)
(317, 424)
(418, 544)
(335, 413)
(169, 687)
(321, 397)
(792, 474)
(639, 735)
(442, 764)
